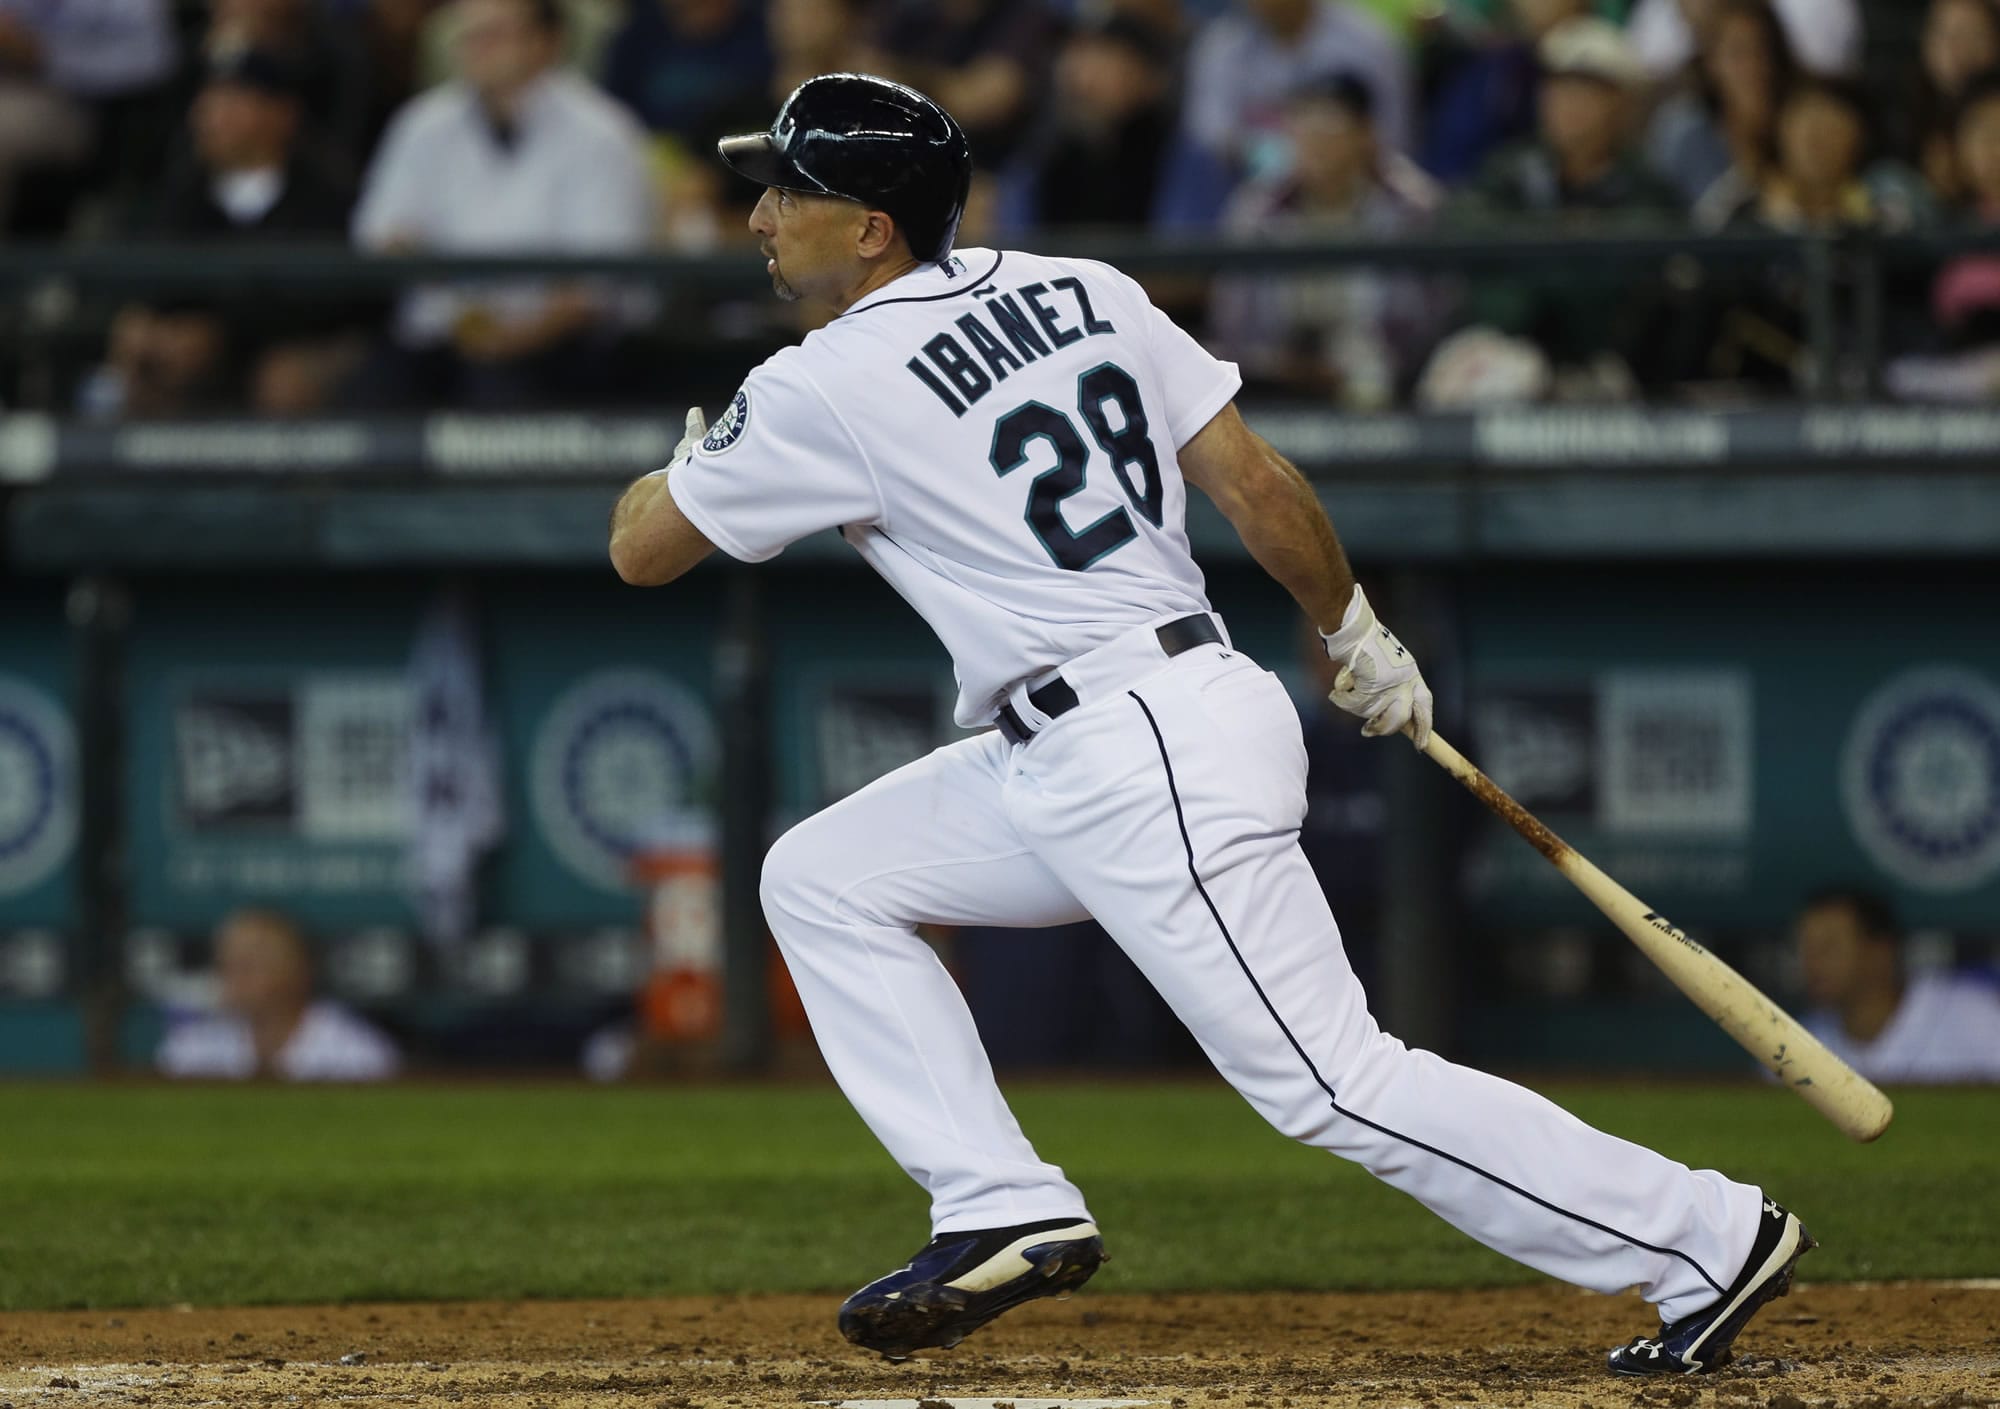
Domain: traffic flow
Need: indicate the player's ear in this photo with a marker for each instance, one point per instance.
(876, 235)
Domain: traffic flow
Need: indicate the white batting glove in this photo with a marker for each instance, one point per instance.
(697, 427)
(684, 449)
(1378, 679)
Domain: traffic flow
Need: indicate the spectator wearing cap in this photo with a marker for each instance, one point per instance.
(1583, 158)
(1097, 160)
(1959, 43)
(330, 63)
(1597, 328)
(1826, 35)
(1248, 62)
(1351, 336)
(268, 1023)
(513, 156)
(246, 179)
(75, 78)
(986, 61)
(1715, 136)
(1874, 1014)
(1486, 99)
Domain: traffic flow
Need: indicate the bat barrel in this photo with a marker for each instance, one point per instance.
(1763, 1029)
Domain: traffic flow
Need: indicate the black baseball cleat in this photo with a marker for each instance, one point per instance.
(1699, 1343)
(960, 1281)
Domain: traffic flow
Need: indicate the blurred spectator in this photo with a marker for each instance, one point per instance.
(269, 1024)
(588, 28)
(392, 33)
(984, 60)
(1826, 35)
(515, 156)
(1822, 180)
(1961, 41)
(247, 179)
(1583, 159)
(1353, 336)
(1715, 137)
(334, 79)
(1886, 1023)
(1596, 328)
(74, 77)
(1487, 98)
(692, 69)
(811, 37)
(1965, 299)
(1098, 160)
(1823, 177)
(1247, 62)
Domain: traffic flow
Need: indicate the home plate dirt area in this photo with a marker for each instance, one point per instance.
(1824, 1347)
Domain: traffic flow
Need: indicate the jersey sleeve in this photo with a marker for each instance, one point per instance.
(1195, 383)
(777, 466)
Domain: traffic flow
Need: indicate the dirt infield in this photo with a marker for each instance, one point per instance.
(1824, 1348)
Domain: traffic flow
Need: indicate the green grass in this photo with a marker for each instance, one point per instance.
(125, 1196)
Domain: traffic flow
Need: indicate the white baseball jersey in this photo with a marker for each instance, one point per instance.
(996, 436)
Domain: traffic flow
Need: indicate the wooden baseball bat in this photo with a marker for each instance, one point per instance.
(1766, 1031)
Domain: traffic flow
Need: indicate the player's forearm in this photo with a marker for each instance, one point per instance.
(1282, 523)
(635, 545)
(652, 541)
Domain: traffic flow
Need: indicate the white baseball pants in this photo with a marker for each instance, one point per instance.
(1167, 806)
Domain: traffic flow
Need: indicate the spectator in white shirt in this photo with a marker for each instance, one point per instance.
(65, 68)
(515, 155)
(270, 1025)
(1886, 1023)
(1825, 34)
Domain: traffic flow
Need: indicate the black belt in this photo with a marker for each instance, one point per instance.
(1058, 698)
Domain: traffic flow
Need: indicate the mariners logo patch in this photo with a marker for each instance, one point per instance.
(727, 431)
(1920, 778)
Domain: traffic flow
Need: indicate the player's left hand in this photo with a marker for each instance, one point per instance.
(1378, 680)
(697, 427)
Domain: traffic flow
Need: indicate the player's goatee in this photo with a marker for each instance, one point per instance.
(778, 285)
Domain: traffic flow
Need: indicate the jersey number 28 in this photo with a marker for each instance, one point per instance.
(1133, 461)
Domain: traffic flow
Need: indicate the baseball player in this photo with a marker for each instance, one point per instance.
(1009, 439)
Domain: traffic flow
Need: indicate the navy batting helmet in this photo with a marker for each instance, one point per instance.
(870, 140)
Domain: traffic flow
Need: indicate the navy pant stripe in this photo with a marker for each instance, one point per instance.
(1332, 1099)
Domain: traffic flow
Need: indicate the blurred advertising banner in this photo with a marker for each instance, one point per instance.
(290, 787)
(1722, 774)
(38, 794)
(868, 728)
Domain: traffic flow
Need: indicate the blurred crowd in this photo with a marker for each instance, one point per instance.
(587, 126)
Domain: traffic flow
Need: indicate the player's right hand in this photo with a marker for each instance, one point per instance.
(1378, 681)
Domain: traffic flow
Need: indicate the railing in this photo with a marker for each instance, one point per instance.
(44, 281)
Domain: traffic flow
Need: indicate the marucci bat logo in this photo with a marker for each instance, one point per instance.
(1665, 927)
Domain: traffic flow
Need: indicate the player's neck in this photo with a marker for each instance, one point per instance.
(876, 277)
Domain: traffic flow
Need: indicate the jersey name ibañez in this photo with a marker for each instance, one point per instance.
(997, 437)
(1006, 336)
